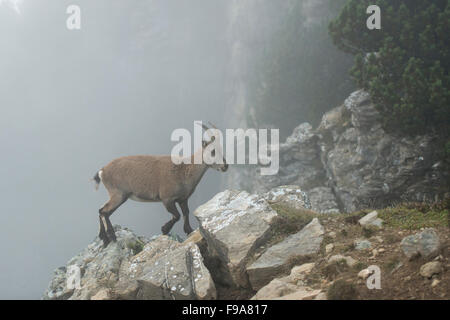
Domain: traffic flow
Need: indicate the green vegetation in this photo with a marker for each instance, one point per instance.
(405, 65)
(332, 270)
(136, 246)
(342, 290)
(289, 221)
(413, 216)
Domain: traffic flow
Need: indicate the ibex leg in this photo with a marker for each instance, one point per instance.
(115, 201)
(185, 209)
(172, 208)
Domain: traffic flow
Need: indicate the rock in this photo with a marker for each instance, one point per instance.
(364, 274)
(371, 219)
(348, 260)
(178, 274)
(234, 224)
(425, 243)
(431, 268)
(328, 248)
(103, 294)
(290, 196)
(362, 244)
(306, 242)
(135, 268)
(350, 162)
(323, 200)
(96, 267)
(321, 296)
(194, 237)
(332, 234)
(435, 283)
(298, 273)
(274, 289)
(301, 294)
(289, 287)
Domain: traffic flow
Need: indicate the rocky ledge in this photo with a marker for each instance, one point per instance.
(268, 246)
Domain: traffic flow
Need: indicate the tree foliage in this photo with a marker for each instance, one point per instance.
(405, 65)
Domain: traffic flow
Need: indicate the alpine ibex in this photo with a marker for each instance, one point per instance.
(150, 178)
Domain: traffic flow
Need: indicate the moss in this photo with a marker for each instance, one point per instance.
(136, 246)
(369, 231)
(360, 266)
(342, 290)
(353, 218)
(391, 264)
(296, 261)
(413, 216)
(289, 221)
(332, 270)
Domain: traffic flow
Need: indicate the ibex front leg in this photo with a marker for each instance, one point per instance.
(172, 208)
(106, 229)
(185, 209)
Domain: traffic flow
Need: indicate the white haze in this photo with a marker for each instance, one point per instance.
(71, 101)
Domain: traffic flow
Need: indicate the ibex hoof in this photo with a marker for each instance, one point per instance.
(165, 229)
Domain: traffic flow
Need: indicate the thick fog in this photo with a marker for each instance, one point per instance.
(71, 101)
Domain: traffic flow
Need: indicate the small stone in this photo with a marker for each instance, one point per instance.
(101, 295)
(332, 234)
(329, 247)
(371, 219)
(430, 268)
(348, 260)
(361, 244)
(435, 283)
(379, 239)
(364, 274)
(425, 244)
(299, 272)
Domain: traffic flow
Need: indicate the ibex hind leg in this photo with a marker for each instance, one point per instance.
(171, 207)
(185, 209)
(102, 233)
(115, 201)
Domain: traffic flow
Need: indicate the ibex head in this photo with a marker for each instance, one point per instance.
(213, 150)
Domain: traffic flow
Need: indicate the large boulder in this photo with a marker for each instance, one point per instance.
(277, 257)
(96, 267)
(134, 268)
(234, 224)
(178, 274)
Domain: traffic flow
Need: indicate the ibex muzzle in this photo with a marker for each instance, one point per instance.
(150, 178)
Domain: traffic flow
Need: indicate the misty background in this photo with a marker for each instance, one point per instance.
(71, 101)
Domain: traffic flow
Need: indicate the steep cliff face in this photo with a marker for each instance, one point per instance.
(349, 162)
